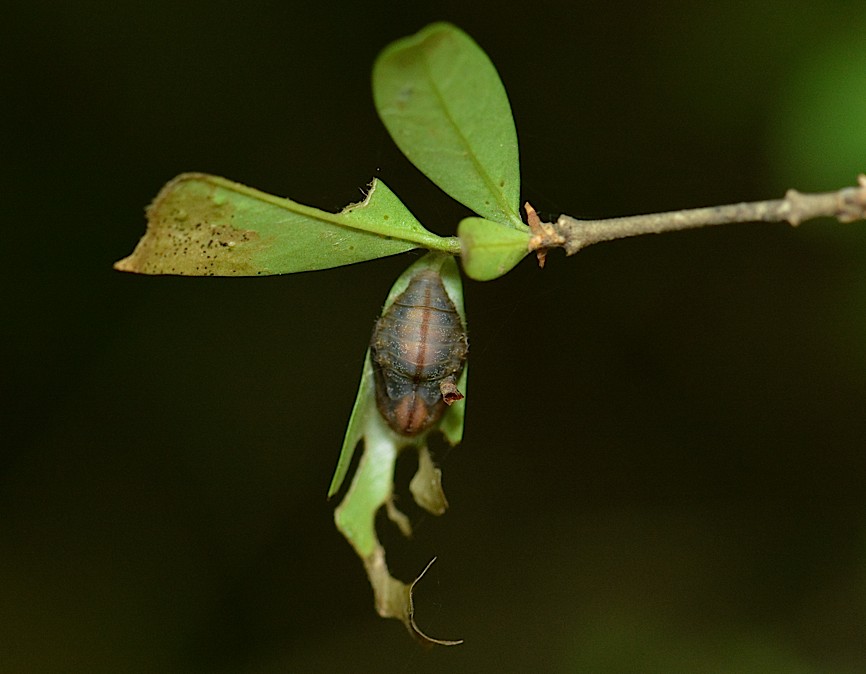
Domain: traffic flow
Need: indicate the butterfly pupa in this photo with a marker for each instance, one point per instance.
(418, 351)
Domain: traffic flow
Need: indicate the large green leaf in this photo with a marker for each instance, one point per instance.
(444, 105)
(203, 225)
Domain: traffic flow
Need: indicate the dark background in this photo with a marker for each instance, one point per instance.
(663, 468)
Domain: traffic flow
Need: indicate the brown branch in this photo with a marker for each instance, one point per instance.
(846, 205)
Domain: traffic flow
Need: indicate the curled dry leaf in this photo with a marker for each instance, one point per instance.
(426, 486)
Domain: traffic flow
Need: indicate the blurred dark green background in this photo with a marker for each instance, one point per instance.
(665, 454)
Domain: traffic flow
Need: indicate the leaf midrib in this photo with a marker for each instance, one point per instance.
(425, 239)
(491, 185)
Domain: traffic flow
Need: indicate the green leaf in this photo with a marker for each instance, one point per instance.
(451, 424)
(372, 486)
(203, 225)
(489, 249)
(444, 105)
(358, 422)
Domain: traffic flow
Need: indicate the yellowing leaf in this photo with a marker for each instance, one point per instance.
(203, 225)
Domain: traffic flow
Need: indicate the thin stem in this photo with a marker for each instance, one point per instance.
(846, 205)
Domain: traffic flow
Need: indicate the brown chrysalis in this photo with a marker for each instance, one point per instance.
(418, 350)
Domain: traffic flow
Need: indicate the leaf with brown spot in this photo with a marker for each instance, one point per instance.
(204, 225)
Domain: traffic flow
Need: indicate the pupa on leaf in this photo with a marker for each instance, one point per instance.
(418, 351)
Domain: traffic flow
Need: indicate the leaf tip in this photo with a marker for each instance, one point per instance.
(126, 264)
